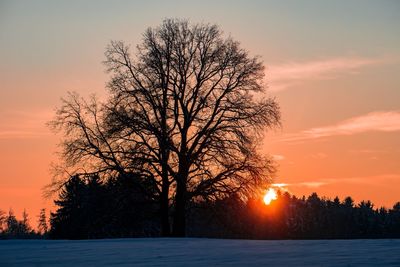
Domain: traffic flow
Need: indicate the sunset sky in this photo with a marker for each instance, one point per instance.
(334, 67)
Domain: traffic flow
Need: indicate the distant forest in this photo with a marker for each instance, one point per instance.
(89, 208)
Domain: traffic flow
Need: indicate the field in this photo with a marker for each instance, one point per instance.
(199, 252)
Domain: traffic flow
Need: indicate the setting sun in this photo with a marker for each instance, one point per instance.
(269, 196)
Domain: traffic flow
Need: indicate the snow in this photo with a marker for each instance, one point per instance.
(199, 252)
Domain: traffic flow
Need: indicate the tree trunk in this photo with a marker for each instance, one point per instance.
(179, 218)
(164, 208)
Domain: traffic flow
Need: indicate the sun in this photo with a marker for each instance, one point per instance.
(269, 196)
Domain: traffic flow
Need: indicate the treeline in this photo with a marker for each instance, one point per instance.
(12, 228)
(89, 208)
(290, 217)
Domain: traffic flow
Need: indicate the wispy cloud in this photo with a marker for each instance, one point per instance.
(22, 134)
(280, 77)
(370, 180)
(319, 155)
(24, 124)
(382, 121)
(278, 157)
(311, 184)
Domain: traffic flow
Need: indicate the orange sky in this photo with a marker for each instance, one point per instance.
(333, 67)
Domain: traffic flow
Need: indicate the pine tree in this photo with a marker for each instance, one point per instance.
(69, 219)
(2, 221)
(42, 222)
(25, 228)
(11, 224)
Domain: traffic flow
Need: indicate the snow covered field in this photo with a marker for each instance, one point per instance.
(199, 252)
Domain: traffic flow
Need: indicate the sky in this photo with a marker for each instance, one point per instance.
(332, 65)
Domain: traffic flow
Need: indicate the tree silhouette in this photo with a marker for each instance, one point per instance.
(184, 116)
(42, 222)
(89, 208)
(104, 210)
(24, 224)
(68, 220)
(2, 220)
(393, 223)
(12, 224)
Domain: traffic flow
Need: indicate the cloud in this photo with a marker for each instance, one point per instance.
(311, 184)
(278, 157)
(381, 121)
(21, 134)
(319, 155)
(24, 124)
(370, 180)
(279, 185)
(280, 77)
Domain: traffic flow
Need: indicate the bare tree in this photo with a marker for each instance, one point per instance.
(186, 113)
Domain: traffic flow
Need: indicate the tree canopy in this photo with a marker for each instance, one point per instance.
(184, 117)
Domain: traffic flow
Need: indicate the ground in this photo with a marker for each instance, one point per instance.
(199, 252)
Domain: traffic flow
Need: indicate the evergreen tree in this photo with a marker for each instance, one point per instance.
(12, 227)
(89, 208)
(393, 224)
(42, 222)
(66, 222)
(24, 226)
(2, 221)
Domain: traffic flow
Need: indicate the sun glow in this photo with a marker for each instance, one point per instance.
(269, 196)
